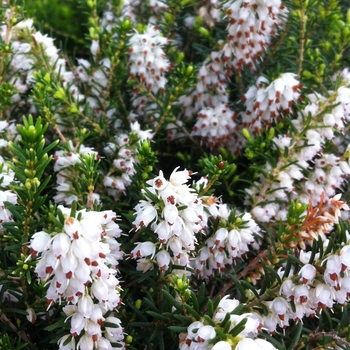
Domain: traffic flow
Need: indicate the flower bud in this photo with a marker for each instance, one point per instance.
(60, 94)
(31, 315)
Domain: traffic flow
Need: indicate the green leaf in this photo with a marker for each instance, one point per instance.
(220, 333)
(226, 318)
(238, 328)
(47, 149)
(177, 329)
(15, 310)
(210, 311)
(29, 277)
(195, 301)
(161, 340)
(201, 294)
(241, 293)
(59, 324)
(296, 336)
(142, 324)
(250, 287)
(238, 310)
(183, 319)
(192, 312)
(157, 315)
(227, 326)
(209, 320)
(172, 301)
(110, 325)
(150, 303)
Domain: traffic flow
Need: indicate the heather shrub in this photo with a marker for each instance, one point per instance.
(174, 174)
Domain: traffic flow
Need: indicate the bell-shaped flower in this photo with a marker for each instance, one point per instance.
(69, 346)
(60, 245)
(247, 344)
(93, 329)
(103, 344)
(178, 178)
(40, 241)
(170, 213)
(175, 245)
(85, 343)
(100, 290)
(222, 345)
(114, 331)
(301, 294)
(163, 259)
(344, 257)
(69, 263)
(226, 305)
(143, 249)
(145, 213)
(287, 289)
(205, 333)
(159, 182)
(307, 273)
(280, 307)
(85, 305)
(163, 231)
(264, 344)
(72, 228)
(322, 296)
(333, 268)
(91, 226)
(77, 323)
(220, 236)
(144, 265)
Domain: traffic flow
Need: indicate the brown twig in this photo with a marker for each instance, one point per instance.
(242, 274)
(21, 334)
(302, 37)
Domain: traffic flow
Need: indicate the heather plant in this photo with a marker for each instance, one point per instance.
(177, 177)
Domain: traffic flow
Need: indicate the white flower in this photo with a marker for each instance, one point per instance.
(280, 307)
(247, 344)
(301, 294)
(205, 333)
(69, 346)
(143, 249)
(264, 344)
(222, 345)
(39, 242)
(226, 305)
(163, 259)
(321, 296)
(307, 273)
(147, 58)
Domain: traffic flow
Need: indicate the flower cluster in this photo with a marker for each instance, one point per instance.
(266, 101)
(175, 214)
(80, 265)
(7, 176)
(326, 172)
(148, 60)
(21, 66)
(202, 336)
(252, 23)
(215, 125)
(230, 241)
(261, 220)
(308, 294)
(66, 162)
(210, 89)
(95, 79)
(118, 178)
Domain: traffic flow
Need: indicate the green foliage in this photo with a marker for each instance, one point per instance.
(100, 119)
